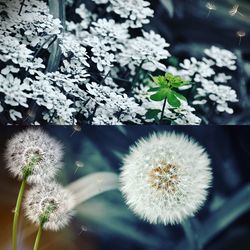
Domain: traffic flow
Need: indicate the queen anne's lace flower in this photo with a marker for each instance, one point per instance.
(49, 205)
(34, 155)
(85, 14)
(220, 94)
(208, 81)
(112, 102)
(165, 178)
(15, 92)
(222, 57)
(136, 11)
(146, 51)
(36, 22)
(70, 45)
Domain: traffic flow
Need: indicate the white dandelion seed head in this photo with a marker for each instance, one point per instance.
(165, 178)
(33, 153)
(50, 201)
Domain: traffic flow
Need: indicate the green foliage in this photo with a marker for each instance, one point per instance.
(152, 114)
(164, 89)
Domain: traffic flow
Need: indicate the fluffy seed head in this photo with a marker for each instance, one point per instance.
(165, 178)
(34, 155)
(50, 205)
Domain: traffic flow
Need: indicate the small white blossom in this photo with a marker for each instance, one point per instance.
(220, 94)
(146, 51)
(15, 92)
(136, 11)
(222, 57)
(165, 178)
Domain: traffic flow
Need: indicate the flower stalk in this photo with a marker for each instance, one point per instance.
(17, 214)
(38, 236)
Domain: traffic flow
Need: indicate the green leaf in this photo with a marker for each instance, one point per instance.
(173, 100)
(154, 89)
(179, 96)
(160, 95)
(152, 113)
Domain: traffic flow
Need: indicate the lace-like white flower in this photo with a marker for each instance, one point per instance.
(36, 22)
(222, 57)
(85, 14)
(34, 155)
(110, 102)
(220, 94)
(15, 92)
(222, 78)
(146, 51)
(49, 205)
(200, 68)
(106, 39)
(70, 45)
(113, 35)
(136, 11)
(165, 178)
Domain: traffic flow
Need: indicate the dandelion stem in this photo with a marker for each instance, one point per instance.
(38, 236)
(17, 213)
(163, 109)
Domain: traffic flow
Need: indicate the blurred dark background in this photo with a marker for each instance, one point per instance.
(104, 222)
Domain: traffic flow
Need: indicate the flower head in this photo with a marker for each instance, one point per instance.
(165, 178)
(49, 205)
(34, 155)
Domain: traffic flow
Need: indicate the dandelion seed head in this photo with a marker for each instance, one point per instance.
(49, 204)
(165, 178)
(34, 155)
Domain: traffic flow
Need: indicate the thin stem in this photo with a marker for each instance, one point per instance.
(17, 213)
(137, 73)
(38, 236)
(20, 10)
(163, 109)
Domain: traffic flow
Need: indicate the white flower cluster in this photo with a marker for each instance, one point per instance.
(101, 66)
(136, 12)
(112, 105)
(36, 22)
(209, 84)
(146, 51)
(106, 39)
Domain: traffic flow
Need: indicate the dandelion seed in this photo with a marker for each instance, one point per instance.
(210, 6)
(78, 164)
(240, 34)
(76, 128)
(235, 10)
(165, 178)
(83, 229)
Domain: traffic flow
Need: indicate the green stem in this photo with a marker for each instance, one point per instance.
(38, 236)
(17, 213)
(163, 109)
